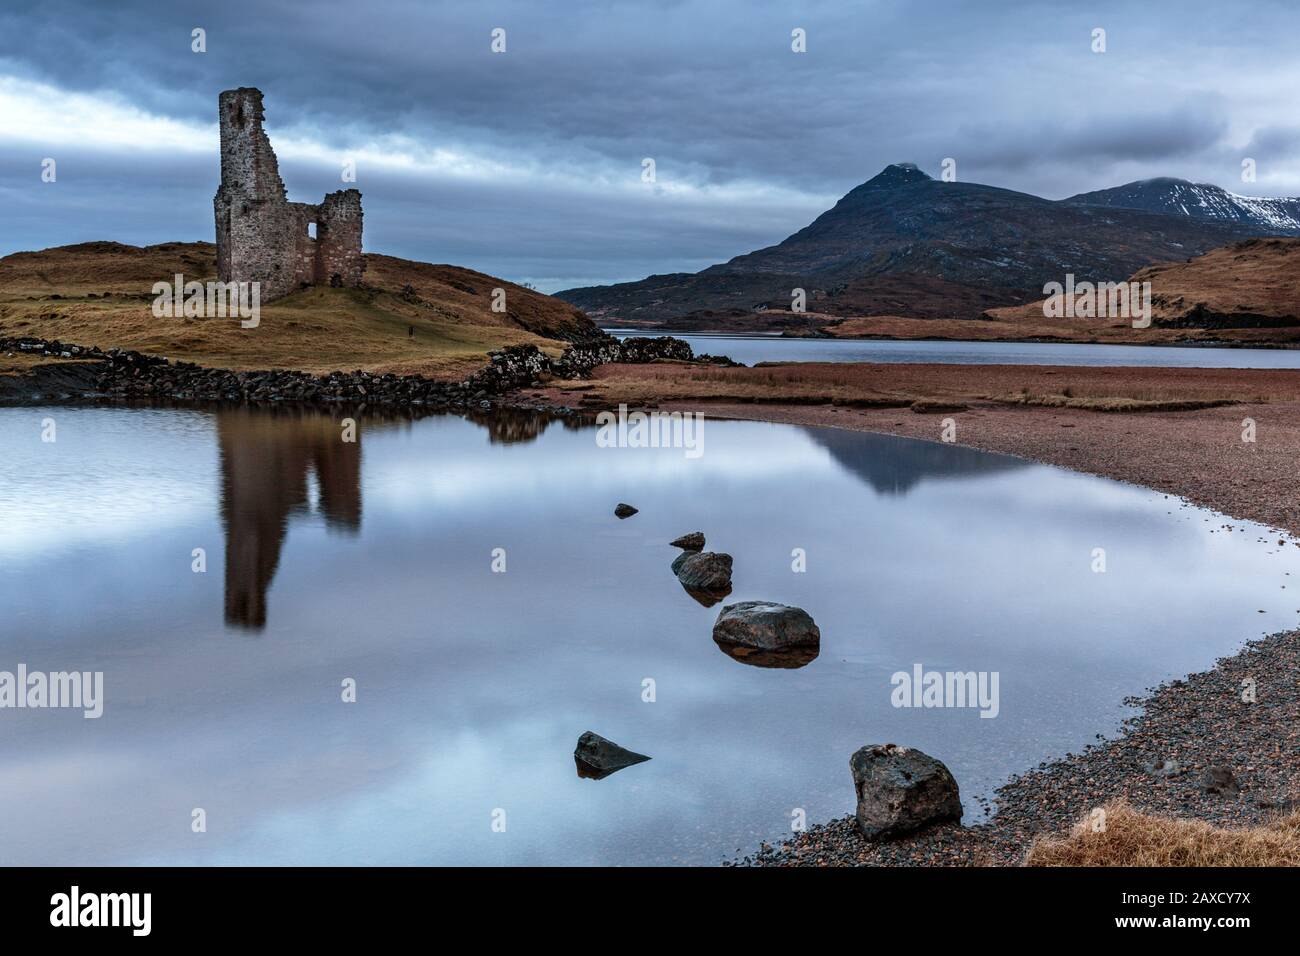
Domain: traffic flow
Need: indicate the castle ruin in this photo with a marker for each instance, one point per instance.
(261, 236)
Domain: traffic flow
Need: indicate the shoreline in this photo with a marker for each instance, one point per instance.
(37, 371)
(1178, 431)
(1009, 340)
(1197, 720)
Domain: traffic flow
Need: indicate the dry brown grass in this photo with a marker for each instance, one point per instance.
(979, 330)
(1130, 838)
(316, 330)
(1114, 403)
(646, 392)
(1257, 277)
(59, 294)
(884, 386)
(20, 363)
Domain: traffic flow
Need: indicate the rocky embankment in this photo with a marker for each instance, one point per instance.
(92, 373)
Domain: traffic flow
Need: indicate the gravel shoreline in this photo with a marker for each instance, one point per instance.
(1198, 721)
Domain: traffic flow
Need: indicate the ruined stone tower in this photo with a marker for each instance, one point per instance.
(261, 236)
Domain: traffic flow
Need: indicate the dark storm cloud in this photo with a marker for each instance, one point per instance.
(1280, 141)
(761, 137)
(1170, 135)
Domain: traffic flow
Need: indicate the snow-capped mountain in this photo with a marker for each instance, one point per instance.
(1201, 201)
(902, 242)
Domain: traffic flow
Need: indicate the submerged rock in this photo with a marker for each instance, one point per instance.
(703, 571)
(788, 659)
(689, 542)
(766, 626)
(900, 789)
(597, 757)
(708, 598)
(624, 510)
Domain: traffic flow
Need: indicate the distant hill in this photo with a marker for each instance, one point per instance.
(905, 244)
(1252, 285)
(1178, 197)
(409, 317)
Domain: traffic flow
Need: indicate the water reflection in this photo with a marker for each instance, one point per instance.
(789, 659)
(473, 685)
(707, 598)
(269, 460)
(518, 426)
(892, 467)
(266, 462)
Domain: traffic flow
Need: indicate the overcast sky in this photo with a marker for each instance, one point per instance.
(527, 164)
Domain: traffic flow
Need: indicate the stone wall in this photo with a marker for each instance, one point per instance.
(338, 240)
(124, 374)
(261, 236)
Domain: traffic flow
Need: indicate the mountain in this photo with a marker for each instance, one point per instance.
(909, 245)
(1179, 197)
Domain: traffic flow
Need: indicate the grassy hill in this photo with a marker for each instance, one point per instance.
(408, 318)
(1247, 292)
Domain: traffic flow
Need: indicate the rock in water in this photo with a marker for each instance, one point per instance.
(597, 757)
(624, 510)
(708, 598)
(703, 571)
(765, 626)
(900, 790)
(790, 659)
(689, 542)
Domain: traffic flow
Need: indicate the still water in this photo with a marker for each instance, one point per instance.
(373, 561)
(749, 349)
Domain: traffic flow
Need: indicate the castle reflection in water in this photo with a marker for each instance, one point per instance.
(266, 461)
(268, 458)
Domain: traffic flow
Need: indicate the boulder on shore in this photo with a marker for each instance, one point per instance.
(689, 542)
(703, 570)
(1220, 780)
(901, 789)
(766, 626)
(597, 757)
(624, 510)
